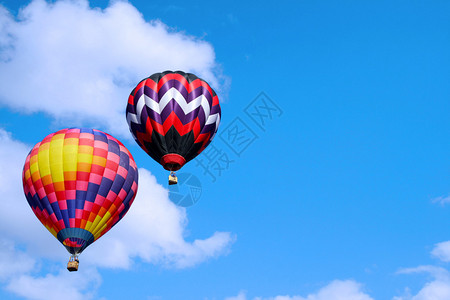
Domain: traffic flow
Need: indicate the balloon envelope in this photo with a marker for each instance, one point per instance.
(79, 183)
(173, 116)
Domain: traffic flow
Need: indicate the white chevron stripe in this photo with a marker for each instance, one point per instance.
(173, 93)
(213, 118)
(139, 107)
(217, 126)
(132, 118)
(141, 102)
(149, 102)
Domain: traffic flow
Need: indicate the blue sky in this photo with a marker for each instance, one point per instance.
(342, 194)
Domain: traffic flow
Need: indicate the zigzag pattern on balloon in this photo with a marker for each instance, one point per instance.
(173, 100)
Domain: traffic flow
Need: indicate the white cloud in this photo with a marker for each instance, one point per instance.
(13, 261)
(64, 285)
(6, 40)
(437, 289)
(335, 290)
(64, 57)
(18, 225)
(240, 296)
(17, 221)
(79, 64)
(153, 229)
(442, 200)
(16, 272)
(442, 251)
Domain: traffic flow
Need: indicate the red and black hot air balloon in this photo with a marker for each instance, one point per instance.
(173, 116)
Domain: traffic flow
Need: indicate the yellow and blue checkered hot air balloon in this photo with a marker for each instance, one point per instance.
(80, 183)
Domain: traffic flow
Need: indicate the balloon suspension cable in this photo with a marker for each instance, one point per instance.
(74, 257)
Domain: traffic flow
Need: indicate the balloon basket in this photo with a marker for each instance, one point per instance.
(173, 178)
(72, 266)
(73, 263)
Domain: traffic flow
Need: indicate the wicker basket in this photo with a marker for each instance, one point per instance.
(173, 179)
(72, 266)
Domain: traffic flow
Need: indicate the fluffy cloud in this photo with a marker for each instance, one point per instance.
(442, 200)
(17, 221)
(442, 251)
(153, 231)
(439, 287)
(13, 261)
(336, 290)
(79, 64)
(16, 272)
(63, 285)
(240, 296)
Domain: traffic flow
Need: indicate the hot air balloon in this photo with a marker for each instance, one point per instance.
(79, 183)
(173, 116)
